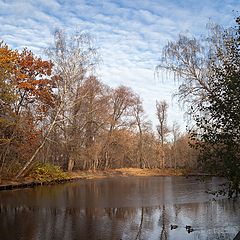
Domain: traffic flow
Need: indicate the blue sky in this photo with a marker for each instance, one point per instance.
(129, 34)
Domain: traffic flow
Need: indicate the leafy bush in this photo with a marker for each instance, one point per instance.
(45, 172)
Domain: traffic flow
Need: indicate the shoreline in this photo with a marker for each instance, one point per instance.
(10, 184)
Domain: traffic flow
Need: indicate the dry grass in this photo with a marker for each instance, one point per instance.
(120, 172)
(125, 172)
(150, 172)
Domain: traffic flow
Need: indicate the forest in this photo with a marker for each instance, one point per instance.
(57, 111)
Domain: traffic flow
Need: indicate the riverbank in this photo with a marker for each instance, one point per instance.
(9, 184)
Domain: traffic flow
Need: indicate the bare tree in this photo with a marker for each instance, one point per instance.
(176, 135)
(74, 61)
(142, 126)
(120, 117)
(92, 115)
(162, 129)
(186, 59)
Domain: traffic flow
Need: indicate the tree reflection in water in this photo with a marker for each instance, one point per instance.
(164, 232)
(112, 223)
(114, 209)
(140, 226)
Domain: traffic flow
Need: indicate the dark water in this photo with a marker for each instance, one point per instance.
(119, 208)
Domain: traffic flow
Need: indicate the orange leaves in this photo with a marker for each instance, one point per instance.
(33, 66)
(7, 62)
(7, 56)
(26, 86)
(27, 135)
(26, 95)
(28, 76)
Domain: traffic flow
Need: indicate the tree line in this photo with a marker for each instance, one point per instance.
(58, 111)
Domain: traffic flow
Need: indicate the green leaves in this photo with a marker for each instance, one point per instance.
(45, 172)
(219, 123)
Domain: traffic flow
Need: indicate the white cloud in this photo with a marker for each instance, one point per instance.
(130, 34)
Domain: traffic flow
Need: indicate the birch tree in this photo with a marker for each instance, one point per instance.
(74, 59)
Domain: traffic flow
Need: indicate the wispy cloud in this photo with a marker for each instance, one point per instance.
(130, 34)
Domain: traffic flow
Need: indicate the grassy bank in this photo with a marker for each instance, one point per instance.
(51, 175)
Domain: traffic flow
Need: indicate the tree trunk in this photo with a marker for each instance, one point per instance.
(28, 163)
(70, 165)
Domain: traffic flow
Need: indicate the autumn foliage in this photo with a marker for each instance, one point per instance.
(59, 113)
(26, 97)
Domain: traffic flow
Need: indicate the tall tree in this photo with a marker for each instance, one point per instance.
(91, 121)
(162, 129)
(26, 97)
(141, 125)
(176, 136)
(209, 73)
(8, 59)
(121, 105)
(219, 126)
(74, 60)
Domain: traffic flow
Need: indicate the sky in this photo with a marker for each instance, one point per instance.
(129, 35)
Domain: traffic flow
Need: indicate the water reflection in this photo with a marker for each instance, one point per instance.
(131, 208)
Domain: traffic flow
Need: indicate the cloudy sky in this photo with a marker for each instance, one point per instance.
(129, 34)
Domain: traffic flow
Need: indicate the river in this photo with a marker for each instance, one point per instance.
(119, 208)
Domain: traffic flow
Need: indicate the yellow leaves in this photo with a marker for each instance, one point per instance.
(47, 172)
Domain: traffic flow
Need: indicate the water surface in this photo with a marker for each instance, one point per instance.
(119, 208)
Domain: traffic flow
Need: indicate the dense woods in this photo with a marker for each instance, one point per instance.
(57, 111)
